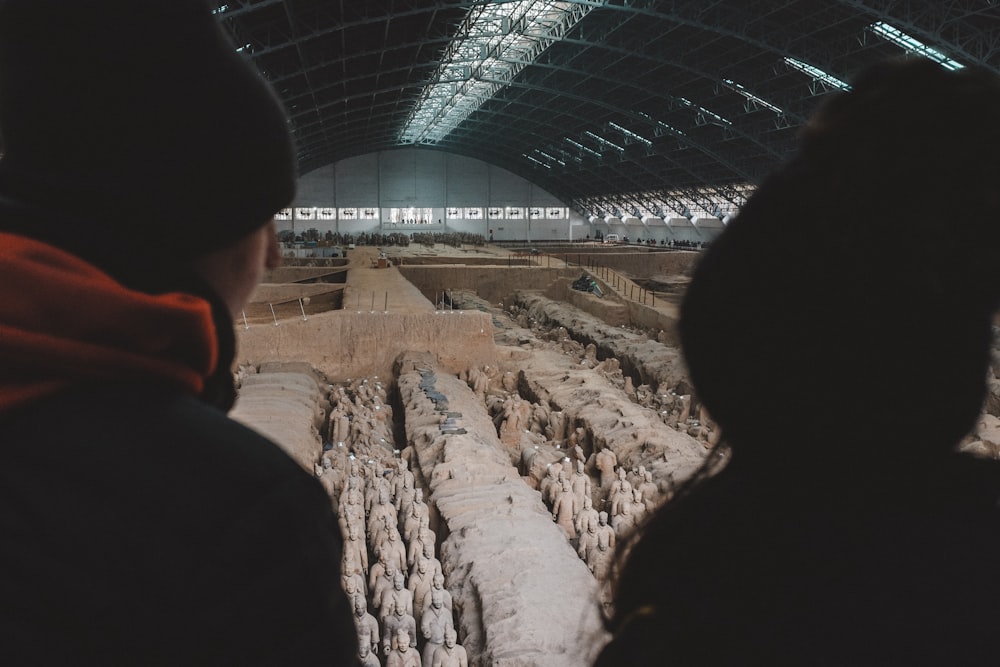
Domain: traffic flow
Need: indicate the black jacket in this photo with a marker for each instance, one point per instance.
(139, 525)
(144, 527)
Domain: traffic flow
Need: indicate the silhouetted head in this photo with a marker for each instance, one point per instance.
(849, 303)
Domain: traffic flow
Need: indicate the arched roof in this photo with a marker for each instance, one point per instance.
(628, 106)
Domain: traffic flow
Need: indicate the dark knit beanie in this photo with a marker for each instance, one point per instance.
(135, 132)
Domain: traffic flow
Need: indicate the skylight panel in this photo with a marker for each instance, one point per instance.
(817, 74)
(496, 41)
(913, 45)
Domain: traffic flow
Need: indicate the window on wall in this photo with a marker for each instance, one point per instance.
(369, 214)
(326, 213)
(453, 213)
(535, 213)
(515, 213)
(411, 216)
(473, 213)
(348, 214)
(495, 213)
(305, 213)
(283, 214)
(555, 213)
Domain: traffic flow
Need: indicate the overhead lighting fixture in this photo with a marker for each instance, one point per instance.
(604, 142)
(703, 112)
(495, 42)
(913, 45)
(538, 162)
(582, 147)
(661, 126)
(738, 88)
(549, 157)
(817, 74)
(630, 134)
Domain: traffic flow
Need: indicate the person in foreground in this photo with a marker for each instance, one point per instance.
(839, 332)
(143, 162)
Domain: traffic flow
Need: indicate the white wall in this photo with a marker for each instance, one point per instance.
(424, 178)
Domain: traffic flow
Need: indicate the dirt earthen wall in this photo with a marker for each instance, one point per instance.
(649, 265)
(345, 344)
(492, 283)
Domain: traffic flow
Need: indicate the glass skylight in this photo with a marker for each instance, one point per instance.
(913, 45)
(817, 74)
(495, 42)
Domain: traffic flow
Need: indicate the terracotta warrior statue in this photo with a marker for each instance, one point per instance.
(451, 654)
(401, 654)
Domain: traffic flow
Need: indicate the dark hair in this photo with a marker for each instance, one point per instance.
(840, 327)
(869, 263)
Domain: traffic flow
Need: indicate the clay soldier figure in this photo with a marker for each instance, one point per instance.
(555, 488)
(638, 507)
(606, 461)
(588, 540)
(436, 620)
(401, 655)
(395, 552)
(565, 509)
(327, 477)
(481, 384)
(405, 496)
(382, 584)
(396, 621)
(380, 511)
(418, 512)
(551, 477)
(352, 513)
(366, 624)
(586, 517)
(351, 483)
(376, 486)
(353, 584)
(420, 584)
(649, 491)
(433, 564)
(425, 536)
(604, 529)
(366, 658)
(580, 482)
(437, 585)
(451, 654)
(377, 570)
(624, 521)
(402, 475)
(398, 596)
(620, 495)
(599, 558)
(355, 558)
